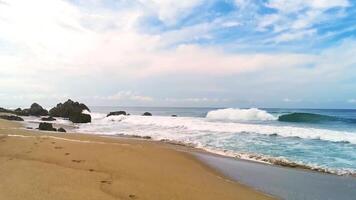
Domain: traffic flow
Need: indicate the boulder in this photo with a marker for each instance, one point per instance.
(47, 119)
(80, 118)
(44, 126)
(3, 110)
(35, 110)
(147, 114)
(24, 112)
(72, 110)
(174, 116)
(11, 117)
(116, 113)
(62, 130)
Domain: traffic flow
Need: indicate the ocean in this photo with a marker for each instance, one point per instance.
(319, 139)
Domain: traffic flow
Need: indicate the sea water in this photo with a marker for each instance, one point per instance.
(319, 139)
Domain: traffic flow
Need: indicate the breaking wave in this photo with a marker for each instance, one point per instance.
(235, 114)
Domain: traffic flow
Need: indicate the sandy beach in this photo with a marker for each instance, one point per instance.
(44, 165)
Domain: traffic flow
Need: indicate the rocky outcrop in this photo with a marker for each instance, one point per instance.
(44, 126)
(37, 110)
(72, 110)
(147, 114)
(11, 117)
(34, 110)
(3, 110)
(116, 113)
(62, 130)
(48, 119)
(80, 118)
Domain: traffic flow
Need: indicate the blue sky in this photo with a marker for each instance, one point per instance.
(228, 53)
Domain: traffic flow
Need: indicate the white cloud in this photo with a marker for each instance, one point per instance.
(169, 11)
(125, 96)
(295, 19)
(196, 100)
(292, 36)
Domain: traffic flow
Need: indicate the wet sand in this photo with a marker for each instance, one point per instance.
(282, 182)
(43, 165)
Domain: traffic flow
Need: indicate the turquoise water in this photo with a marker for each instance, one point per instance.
(323, 139)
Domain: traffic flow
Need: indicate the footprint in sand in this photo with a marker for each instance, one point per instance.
(53, 142)
(58, 147)
(78, 161)
(106, 182)
(67, 154)
(91, 170)
(132, 196)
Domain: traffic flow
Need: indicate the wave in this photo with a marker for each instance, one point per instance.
(312, 118)
(235, 114)
(163, 127)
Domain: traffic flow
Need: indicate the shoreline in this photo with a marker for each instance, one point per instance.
(136, 168)
(252, 157)
(255, 157)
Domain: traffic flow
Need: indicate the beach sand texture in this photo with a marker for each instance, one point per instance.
(43, 165)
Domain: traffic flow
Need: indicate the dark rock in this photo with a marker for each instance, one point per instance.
(72, 110)
(116, 113)
(174, 116)
(4, 110)
(147, 114)
(24, 112)
(44, 126)
(47, 119)
(37, 110)
(11, 117)
(61, 130)
(80, 118)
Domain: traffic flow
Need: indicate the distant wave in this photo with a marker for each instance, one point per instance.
(235, 114)
(312, 118)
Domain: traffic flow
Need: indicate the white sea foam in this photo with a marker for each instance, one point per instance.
(168, 127)
(235, 114)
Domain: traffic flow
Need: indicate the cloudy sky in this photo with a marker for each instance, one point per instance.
(228, 53)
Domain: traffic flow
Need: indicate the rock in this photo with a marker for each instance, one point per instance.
(174, 116)
(24, 112)
(44, 126)
(72, 110)
(47, 119)
(3, 110)
(18, 110)
(146, 114)
(62, 130)
(11, 117)
(37, 110)
(80, 118)
(116, 113)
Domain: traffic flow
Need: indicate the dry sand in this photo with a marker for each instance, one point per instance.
(41, 165)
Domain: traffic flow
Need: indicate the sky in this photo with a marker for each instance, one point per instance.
(220, 53)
